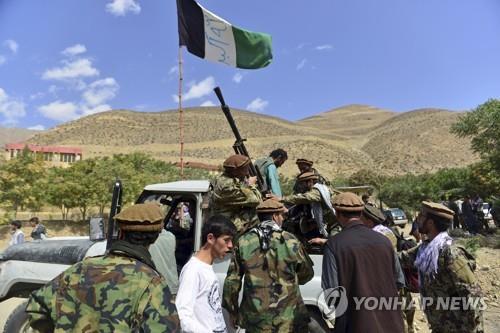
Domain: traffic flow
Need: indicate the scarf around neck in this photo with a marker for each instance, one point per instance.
(381, 229)
(134, 251)
(428, 254)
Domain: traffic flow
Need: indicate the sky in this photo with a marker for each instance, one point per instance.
(64, 59)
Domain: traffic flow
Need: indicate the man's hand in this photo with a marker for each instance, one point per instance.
(273, 196)
(318, 241)
(252, 180)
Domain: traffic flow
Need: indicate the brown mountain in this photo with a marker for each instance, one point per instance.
(340, 141)
(13, 135)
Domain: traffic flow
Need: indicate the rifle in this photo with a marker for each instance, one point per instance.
(116, 206)
(239, 145)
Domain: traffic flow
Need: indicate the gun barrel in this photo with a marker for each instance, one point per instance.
(239, 146)
(116, 205)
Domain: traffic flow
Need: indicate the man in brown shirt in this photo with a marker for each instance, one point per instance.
(360, 262)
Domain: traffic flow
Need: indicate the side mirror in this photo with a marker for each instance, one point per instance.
(96, 229)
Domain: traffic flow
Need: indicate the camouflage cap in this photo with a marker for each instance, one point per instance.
(304, 161)
(437, 209)
(236, 161)
(307, 176)
(348, 202)
(141, 217)
(271, 206)
(374, 214)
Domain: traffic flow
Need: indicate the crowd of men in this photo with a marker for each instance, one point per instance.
(124, 291)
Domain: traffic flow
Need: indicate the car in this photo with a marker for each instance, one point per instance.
(397, 215)
(28, 266)
(486, 208)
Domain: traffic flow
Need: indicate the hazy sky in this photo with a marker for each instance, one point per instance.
(62, 59)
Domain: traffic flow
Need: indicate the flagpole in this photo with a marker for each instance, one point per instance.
(181, 114)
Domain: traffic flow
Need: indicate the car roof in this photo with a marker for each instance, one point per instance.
(187, 186)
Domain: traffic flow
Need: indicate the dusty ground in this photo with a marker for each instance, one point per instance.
(488, 273)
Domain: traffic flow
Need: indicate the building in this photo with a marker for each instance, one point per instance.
(53, 155)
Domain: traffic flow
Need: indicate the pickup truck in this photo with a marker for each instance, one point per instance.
(26, 267)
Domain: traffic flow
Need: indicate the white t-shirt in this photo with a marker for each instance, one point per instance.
(198, 300)
(17, 237)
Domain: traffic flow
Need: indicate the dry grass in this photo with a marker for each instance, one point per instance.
(340, 141)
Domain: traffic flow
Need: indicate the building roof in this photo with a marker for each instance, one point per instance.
(44, 149)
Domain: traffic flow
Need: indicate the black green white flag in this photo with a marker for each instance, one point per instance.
(210, 37)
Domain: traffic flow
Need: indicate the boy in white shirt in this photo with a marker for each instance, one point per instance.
(17, 235)
(198, 299)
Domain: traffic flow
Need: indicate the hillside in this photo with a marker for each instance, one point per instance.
(350, 120)
(418, 141)
(340, 141)
(11, 135)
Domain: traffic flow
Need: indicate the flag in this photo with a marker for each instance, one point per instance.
(210, 37)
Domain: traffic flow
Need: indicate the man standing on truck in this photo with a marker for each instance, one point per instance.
(268, 168)
(315, 203)
(358, 263)
(273, 263)
(235, 194)
(118, 292)
(306, 165)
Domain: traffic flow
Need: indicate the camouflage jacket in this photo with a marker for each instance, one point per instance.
(112, 293)
(309, 197)
(237, 201)
(454, 280)
(300, 187)
(271, 297)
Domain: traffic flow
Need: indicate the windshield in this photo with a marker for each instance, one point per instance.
(396, 212)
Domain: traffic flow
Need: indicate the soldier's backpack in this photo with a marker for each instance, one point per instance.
(262, 164)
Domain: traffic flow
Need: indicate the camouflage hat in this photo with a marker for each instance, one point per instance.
(374, 214)
(304, 161)
(437, 209)
(141, 217)
(348, 202)
(271, 206)
(307, 176)
(236, 161)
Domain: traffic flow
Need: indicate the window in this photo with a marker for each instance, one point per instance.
(48, 156)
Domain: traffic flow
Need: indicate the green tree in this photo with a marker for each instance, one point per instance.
(482, 125)
(22, 182)
(59, 190)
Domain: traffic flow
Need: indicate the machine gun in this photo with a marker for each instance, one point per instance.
(116, 206)
(239, 145)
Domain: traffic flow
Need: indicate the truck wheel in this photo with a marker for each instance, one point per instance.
(18, 320)
(317, 323)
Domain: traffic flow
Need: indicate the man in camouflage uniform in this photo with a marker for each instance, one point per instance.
(446, 274)
(317, 200)
(306, 165)
(235, 194)
(274, 264)
(118, 292)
